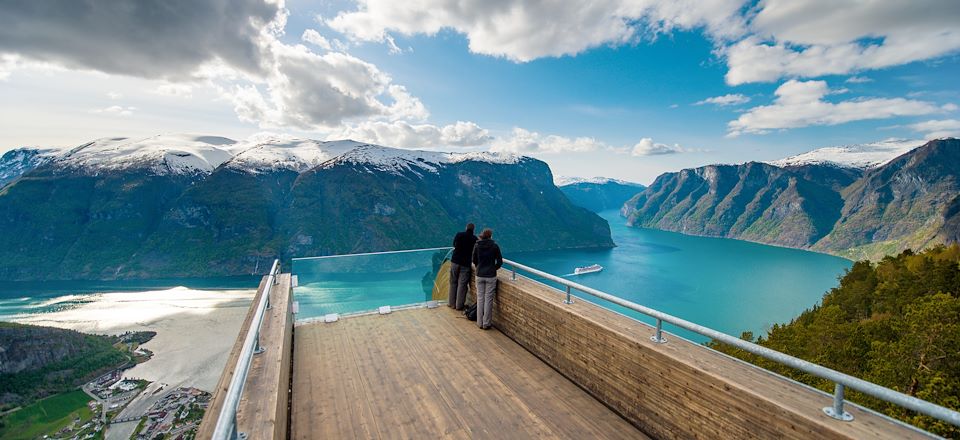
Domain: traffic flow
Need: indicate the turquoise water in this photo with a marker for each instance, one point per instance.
(728, 285)
(731, 286)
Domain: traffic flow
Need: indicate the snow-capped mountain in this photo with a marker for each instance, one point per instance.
(570, 180)
(861, 156)
(597, 193)
(176, 205)
(188, 154)
(15, 163)
(398, 161)
(264, 153)
(160, 154)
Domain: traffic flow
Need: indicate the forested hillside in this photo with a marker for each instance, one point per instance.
(895, 323)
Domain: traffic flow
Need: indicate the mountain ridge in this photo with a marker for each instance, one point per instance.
(907, 202)
(144, 218)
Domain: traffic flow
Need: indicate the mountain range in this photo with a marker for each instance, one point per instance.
(854, 201)
(184, 205)
(598, 193)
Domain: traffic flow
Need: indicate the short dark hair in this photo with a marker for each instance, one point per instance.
(486, 234)
(470, 227)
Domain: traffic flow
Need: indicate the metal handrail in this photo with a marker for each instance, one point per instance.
(841, 380)
(226, 428)
(372, 253)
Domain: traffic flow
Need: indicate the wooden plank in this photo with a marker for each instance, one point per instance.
(673, 390)
(262, 413)
(429, 373)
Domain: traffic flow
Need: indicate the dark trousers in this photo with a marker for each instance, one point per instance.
(459, 283)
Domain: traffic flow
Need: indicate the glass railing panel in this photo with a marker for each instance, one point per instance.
(364, 282)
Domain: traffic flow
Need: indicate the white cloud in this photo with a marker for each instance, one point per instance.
(801, 104)
(115, 110)
(404, 135)
(313, 37)
(311, 91)
(858, 80)
(527, 142)
(725, 100)
(823, 37)
(935, 129)
(114, 95)
(647, 147)
(522, 141)
(525, 30)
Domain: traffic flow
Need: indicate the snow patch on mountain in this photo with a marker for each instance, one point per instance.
(266, 153)
(862, 156)
(397, 161)
(160, 154)
(15, 163)
(569, 180)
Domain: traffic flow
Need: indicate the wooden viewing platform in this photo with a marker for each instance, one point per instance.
(431, 373)
(547, 370)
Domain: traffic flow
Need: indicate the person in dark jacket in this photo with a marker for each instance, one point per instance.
(487, 257)
(460, 269)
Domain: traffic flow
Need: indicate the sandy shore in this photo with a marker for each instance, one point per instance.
(195, 329)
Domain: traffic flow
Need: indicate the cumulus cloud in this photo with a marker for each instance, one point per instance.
(405, 135)
(823, 37)
(313, 91)
(525, 30)
(231, 45)
(147, 39)
(725, 100)
(524, 141)
(801, 104)
(935, 129)
(647, 147)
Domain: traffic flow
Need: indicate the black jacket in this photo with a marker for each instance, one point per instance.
(462, 247)
(486, 255)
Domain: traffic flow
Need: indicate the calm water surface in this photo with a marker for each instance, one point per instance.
(728, 285)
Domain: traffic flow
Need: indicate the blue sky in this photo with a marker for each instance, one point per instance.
(615, 88)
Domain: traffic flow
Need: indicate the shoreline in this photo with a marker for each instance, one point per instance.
(195, 329)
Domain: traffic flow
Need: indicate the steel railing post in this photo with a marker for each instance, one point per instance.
(836, 411)
(658, 336)
(569, 300)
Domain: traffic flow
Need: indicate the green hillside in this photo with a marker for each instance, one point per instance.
(895, 323)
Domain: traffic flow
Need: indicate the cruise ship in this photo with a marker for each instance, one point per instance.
(337, 348)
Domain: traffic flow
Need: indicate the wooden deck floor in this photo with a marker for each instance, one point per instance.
(428, 373)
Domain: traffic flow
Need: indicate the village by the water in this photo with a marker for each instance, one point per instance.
(157, 411)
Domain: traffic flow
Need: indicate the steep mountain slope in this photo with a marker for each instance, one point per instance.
(598, 194)
(908, 203)
(793, 206)
(857, 210)
(202, 206)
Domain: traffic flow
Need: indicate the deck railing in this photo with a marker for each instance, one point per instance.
(226, 428)
(840, 380)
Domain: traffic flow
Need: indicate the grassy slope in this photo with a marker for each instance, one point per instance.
(46, 416)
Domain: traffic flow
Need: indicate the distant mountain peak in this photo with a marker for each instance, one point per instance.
(860, 156)
(397, 160)
(159, 154)
(570, 180)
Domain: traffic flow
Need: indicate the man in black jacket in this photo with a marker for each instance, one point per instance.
(487, 257)
(460, 269)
